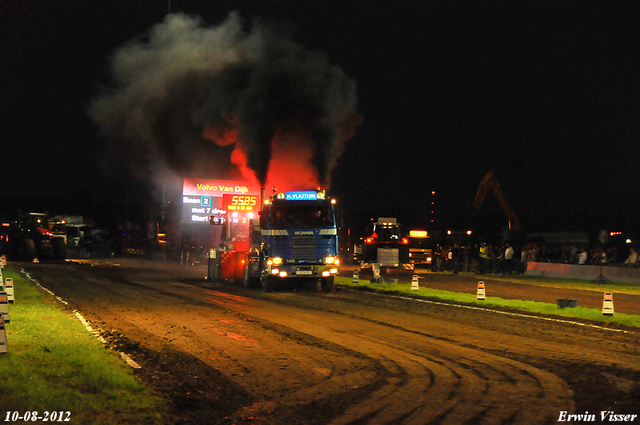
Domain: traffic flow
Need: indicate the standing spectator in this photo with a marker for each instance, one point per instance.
(607, 257)
(456, 254)
(494, 256)
(595, 256)
(466, 262)
(499, 259)
(446, 257)
(508, 259)
(437, 258)
(583, 256)
(615, 256)
(632, 260)
(491, 262)
(474, 259)
(483, 258)
(535, 253)
(523, 259)
(441, 253)
(565, 254)
(573, 258)
(544, 253)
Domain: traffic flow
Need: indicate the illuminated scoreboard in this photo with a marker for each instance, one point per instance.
(240, 202)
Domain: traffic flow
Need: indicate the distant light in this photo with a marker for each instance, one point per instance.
(469, 232)
(418, 233)
(628, 241)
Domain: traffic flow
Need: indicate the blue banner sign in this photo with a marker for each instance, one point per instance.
(302, 195)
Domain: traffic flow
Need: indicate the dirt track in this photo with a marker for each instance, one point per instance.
(227, 355)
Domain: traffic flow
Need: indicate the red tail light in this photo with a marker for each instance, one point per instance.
(404, 241)
(369, 240)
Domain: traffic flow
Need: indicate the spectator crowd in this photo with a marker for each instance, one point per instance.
(505, 259)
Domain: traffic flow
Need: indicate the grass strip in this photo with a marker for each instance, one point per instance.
(617, 287)
(529, 306)
(55, 365)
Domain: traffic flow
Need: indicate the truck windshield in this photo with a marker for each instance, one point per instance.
(301, 216)
(387, 232)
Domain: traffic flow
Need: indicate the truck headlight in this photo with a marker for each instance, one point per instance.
(330, 260)
(277, 261)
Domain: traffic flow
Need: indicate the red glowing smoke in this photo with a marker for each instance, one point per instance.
(290, 167)
(285, 111)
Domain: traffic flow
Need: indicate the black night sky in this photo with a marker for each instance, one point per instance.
(546, 94)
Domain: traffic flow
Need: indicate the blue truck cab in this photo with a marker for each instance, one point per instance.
(295, 240)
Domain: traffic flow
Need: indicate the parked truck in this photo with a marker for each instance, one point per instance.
(294, 240)
(420, 247)
(384, 245)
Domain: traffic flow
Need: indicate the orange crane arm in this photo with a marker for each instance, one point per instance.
(489, 182)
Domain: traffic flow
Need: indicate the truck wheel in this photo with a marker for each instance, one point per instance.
(247, 280)
(59, 249)
(266, 283)
(327, 283)
(27, 250)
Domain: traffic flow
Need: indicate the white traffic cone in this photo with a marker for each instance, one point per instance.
(607, 304)
(356, 277)
(3, 337)
(481, 294)
(8, 288)
(4, 307)
(375, 269)
(414, 283)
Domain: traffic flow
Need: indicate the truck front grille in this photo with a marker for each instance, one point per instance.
(304, 248)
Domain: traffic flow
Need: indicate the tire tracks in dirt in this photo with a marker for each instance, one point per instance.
(341, 358)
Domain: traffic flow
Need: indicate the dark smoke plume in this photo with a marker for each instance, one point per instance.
(186, 85)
